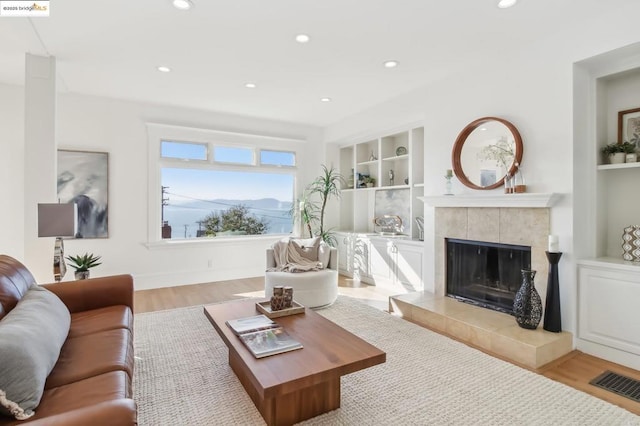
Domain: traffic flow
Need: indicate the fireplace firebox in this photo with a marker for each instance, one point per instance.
(484, 273)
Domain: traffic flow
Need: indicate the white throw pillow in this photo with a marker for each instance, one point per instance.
(307, 248)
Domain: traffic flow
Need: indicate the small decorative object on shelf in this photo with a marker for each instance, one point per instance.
(527, 305)
(350, 180)
(448, 175)
(519, 185)
(614, 152)
(391, 176)
(277, 300)
(401, 150)
(508, 184)
(82, 264)
(373, 157)
(552, 318)
(631, 243)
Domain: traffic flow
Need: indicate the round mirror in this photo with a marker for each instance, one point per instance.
(485, 151)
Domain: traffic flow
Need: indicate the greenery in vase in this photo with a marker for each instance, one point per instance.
(82, 263)
(502, 152)
(614, 148)
(629, 147)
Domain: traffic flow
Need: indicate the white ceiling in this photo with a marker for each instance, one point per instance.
(112, 48)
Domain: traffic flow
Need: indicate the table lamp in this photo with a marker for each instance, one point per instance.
(58, 220)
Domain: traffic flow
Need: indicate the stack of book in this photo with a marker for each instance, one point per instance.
(263, 336)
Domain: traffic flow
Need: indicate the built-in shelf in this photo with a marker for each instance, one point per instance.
(618, 166)
(526, 200)
(397, 157)
(611, 263)
(419, 185)
(367, 163)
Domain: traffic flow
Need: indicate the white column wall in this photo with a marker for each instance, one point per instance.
(12, 171)
(39, 150)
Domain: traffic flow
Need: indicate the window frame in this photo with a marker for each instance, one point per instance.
(157, 133)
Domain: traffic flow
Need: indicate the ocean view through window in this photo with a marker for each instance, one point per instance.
(205, 199)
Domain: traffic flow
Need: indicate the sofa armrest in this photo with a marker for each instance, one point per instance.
(271, 258)
(120, 412)
(94, 293)
(333, 259)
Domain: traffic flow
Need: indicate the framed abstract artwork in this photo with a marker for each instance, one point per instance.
(83, 178)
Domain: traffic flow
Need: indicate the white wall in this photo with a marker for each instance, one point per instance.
(532, 88)
(118, 127)
(11, 171)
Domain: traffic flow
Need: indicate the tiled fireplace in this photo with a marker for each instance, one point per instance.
(495, 332)
(517, 226)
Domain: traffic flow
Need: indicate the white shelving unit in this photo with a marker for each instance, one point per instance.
(618, 166)
(605, 202)
(401, 155)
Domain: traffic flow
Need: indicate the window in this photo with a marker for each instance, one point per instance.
(225, 154)
(183, 150)
(277, 158)
(225, 193)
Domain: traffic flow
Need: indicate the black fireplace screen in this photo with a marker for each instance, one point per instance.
(486, 274)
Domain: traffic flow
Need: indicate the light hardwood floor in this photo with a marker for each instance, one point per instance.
(575, 369)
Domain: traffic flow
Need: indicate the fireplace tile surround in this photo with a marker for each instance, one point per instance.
(521, 226)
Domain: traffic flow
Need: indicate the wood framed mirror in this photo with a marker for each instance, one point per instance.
(484, 151)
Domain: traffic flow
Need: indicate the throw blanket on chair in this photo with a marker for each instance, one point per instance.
(289, 260)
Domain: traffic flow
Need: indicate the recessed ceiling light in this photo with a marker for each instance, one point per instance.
(503, 4)
(250, 85)
(302, 38)
(390, 64)
(164, 69)
(182, 4)
(325, 100)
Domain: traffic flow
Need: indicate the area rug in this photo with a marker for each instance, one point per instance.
(182, 378)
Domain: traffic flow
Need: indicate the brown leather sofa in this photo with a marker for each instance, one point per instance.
(91, 382)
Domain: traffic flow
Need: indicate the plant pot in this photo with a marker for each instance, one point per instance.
(617, 158)
(82, 275)
(631, 158)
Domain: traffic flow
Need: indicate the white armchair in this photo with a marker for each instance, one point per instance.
(313, 289)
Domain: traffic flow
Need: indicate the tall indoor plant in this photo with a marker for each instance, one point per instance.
(314, 202)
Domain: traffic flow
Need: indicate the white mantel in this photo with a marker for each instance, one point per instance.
(525, 200)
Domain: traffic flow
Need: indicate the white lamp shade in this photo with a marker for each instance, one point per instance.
(57, 220)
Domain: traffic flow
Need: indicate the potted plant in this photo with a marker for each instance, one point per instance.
(630, 152)
(82, 264)
(615, 152)
(314, 202)
(369, 181)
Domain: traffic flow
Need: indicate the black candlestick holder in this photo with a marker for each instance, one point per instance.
(552, 319)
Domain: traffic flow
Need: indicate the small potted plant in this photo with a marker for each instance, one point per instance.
(369, 181)
(615, 152)
(82, 264)
(630, 152)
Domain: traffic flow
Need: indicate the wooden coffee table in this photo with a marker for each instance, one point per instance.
(294, 386)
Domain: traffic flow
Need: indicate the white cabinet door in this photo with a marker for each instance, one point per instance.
(408, 265)
(382, 265)
(608, 307)
(345, 253)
